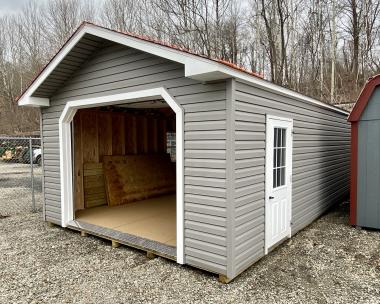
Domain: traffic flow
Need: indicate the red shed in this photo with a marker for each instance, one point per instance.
(365, 157)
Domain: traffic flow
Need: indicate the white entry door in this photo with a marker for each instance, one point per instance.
(278, 179)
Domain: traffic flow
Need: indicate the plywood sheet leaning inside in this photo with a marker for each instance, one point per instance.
(131, 178)
(93, 184)
(111, 131)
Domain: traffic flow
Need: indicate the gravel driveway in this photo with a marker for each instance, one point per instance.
(329, 262)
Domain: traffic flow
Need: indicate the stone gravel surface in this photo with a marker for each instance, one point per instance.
(15, 188)
(328, 262)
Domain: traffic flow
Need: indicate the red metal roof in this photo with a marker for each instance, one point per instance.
(364, 97)
(147, 39)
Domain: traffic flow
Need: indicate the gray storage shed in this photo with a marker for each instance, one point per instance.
(365, 157)
(254, 162)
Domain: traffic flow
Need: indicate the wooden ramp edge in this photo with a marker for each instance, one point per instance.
(159, 249)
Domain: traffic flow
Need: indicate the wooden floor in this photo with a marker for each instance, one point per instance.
(152, 219)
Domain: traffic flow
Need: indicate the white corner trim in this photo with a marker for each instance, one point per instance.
(66, 164)
(34, 101)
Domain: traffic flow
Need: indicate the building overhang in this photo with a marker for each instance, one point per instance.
(196, 67)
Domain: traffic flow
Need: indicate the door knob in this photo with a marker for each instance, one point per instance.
(271, 197)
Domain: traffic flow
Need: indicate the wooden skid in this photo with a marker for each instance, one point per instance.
(150, 255)
(223, 279)
(83, 233)
(120, 238)
(115, 244)
(152, 248)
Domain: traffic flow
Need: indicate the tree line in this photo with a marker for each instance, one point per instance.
(325, 49)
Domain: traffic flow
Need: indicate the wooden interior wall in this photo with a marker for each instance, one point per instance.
(98, 132)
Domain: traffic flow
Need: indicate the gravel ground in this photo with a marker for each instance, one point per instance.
(15, 188)
(328, 262)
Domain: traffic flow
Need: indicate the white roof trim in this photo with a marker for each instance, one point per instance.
(196, 67)
(34, 101)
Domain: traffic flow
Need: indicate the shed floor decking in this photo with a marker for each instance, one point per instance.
(151, 221)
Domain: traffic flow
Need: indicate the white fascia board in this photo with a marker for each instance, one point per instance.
(203, 71)
(50, 68)
(34, 101)
(199, 68)
(196, 67)
(139, 44)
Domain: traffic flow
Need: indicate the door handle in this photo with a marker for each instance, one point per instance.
(271, 197)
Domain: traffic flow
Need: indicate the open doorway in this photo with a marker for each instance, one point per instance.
(124, 170)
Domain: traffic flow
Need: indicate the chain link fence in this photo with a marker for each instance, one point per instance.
(20, 175)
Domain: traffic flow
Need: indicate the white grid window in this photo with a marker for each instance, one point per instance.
(279, 157)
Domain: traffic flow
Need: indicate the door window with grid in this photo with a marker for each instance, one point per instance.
(279, 157)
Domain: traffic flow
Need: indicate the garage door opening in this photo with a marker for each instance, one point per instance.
(122, 170)
(125, 169)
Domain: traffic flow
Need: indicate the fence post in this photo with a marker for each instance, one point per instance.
(32, 173)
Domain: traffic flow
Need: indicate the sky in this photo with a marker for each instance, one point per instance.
(8, 7)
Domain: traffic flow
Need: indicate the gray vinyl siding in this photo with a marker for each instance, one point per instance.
(224, 149)
(368, 192)
(118, 69)
(321, 152)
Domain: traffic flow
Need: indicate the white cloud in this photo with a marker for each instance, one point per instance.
(8, 7)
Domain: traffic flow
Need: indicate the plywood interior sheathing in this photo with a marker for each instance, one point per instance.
(131, 178)
(116, 131)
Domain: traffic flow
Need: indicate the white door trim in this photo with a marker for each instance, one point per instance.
(268, 173)
(66, 164)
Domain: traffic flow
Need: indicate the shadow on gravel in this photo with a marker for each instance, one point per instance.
(20, 182)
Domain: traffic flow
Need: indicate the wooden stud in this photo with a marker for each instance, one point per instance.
(145, 146)
(154, 132)
(223, 279)
(78, 162)
(83, 233)
(115, 244)
(104, 134)
(118, 136)
(90, 140)
(150, 255)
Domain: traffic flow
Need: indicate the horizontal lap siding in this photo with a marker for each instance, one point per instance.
(321, 143)
(124, 70)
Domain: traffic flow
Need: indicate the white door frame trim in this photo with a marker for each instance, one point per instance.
(268, 173)
(66, 164)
